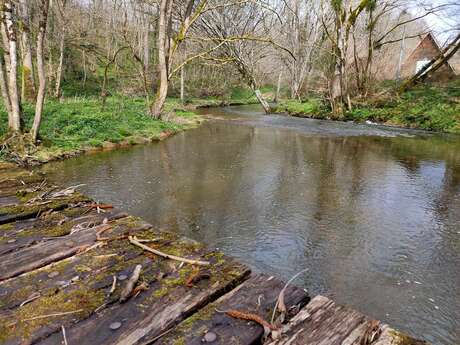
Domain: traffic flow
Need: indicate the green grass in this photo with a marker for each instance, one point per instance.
(311, 107)
(428, 107)
(79, 123)
(246, 95)
(240, 93)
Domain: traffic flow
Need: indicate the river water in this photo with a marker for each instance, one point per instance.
(372, 212)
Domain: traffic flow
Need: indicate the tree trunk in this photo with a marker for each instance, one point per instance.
(104, 92)
(84, 68)
(182, 84)
(12, 68)
(43, 12)
(57, 91)
(163, 43)
(4, 89)
(28, 87)
(262, 101)
(146, 45)
(278, 88)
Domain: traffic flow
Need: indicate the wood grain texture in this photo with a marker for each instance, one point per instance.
(323, 322)
(151, 313)
(257, 295)
(57, 225)
(53, 277)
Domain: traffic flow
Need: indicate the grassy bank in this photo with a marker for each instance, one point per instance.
(426, 107)
(80, 124)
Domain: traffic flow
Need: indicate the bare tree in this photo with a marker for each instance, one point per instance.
(28, 88)
(61, 8)
(242, 35)
(301, 30)
(43, 19)
(10, 60)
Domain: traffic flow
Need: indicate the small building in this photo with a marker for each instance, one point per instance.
(424, 52)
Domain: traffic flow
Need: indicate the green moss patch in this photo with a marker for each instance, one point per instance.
(82, 300)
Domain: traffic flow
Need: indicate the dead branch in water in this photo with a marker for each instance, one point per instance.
(134, 241)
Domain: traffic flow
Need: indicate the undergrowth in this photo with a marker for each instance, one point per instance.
(429, 107)
(80, 122)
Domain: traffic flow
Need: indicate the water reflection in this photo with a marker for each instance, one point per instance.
(373, 214)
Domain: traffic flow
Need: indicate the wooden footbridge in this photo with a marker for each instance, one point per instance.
(74, 272)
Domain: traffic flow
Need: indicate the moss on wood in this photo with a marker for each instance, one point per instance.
(82, 301)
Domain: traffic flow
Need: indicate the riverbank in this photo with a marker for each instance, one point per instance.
(80, 125)
(427, 107)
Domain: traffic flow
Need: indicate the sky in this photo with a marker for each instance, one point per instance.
(445, 24)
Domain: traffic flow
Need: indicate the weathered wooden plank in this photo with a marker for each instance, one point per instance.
(257, 295)
(323, 322)
(46, 252)
(15, 180)
(22, 211)
(97, 266)
(144, 318)
(58, 224)
(9, 200)
(390, 336)
(167, 301)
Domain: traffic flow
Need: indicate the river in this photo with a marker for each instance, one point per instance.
(372, 212)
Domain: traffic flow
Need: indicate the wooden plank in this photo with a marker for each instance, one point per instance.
(323, 322)
(23, 211)
(257, 295)
(391, 336)
(114, 256)
(167, 301)
(9, 200)
(46, 252)
(58, 224)
(14, 181)
(26, 195)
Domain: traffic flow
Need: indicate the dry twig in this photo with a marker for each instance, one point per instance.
(53, 315)
(114, 285)
(134, 241)
(31, 298)
(126, 293)
(63, 335)
(280, 301)
(104, 228)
